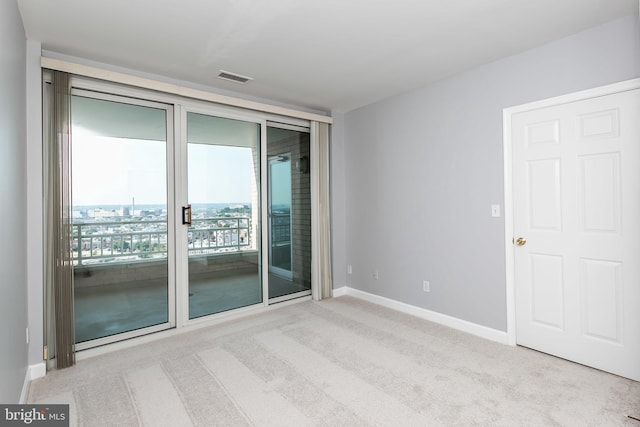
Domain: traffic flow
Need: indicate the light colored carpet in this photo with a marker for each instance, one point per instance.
(340, 362)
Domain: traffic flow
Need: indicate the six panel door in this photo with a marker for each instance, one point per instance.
(576, 185)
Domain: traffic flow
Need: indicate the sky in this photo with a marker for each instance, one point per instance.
(111, 171)
(117, 157)
(219, 174)
(114, 171)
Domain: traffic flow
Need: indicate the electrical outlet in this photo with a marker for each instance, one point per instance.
(376, 275)
(349, 269)
(426, 286)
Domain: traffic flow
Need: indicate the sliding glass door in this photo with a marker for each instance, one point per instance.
(120, 217)
(223, 179)
(289, 211)
(173, 203)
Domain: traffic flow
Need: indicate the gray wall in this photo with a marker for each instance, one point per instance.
(13, 266)
(421, 171)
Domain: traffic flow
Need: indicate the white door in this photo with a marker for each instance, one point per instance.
(576, 200)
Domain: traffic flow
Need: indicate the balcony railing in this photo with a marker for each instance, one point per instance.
(213, 235)
(126, 241)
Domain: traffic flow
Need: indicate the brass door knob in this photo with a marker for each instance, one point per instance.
(521, 241)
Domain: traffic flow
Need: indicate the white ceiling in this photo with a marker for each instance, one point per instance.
(320, 54)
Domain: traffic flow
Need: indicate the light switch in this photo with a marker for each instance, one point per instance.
(495, 210)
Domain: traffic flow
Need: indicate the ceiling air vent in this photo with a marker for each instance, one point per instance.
(233, 77)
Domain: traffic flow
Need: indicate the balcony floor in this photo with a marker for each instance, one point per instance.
(106, 310)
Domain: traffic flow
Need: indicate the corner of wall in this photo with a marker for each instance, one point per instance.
(35, 216)
(13, 264)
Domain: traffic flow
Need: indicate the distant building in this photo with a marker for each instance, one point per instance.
(100, 213)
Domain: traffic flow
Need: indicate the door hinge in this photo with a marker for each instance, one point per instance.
(45, 352)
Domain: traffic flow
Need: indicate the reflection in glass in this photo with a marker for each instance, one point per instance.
(280, 215)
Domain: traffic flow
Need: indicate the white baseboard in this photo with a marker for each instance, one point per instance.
(39, 370)
(338, 292)
(36, 371)
(432, 316)
(25, 388)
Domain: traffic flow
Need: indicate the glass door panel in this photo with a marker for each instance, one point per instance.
(289, 183)
(119, 202)
(223, 170)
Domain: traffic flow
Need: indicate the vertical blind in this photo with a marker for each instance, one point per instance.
(58, 264)
(321, 217)
(323, 222)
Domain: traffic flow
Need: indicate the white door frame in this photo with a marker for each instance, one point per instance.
(508, 181)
